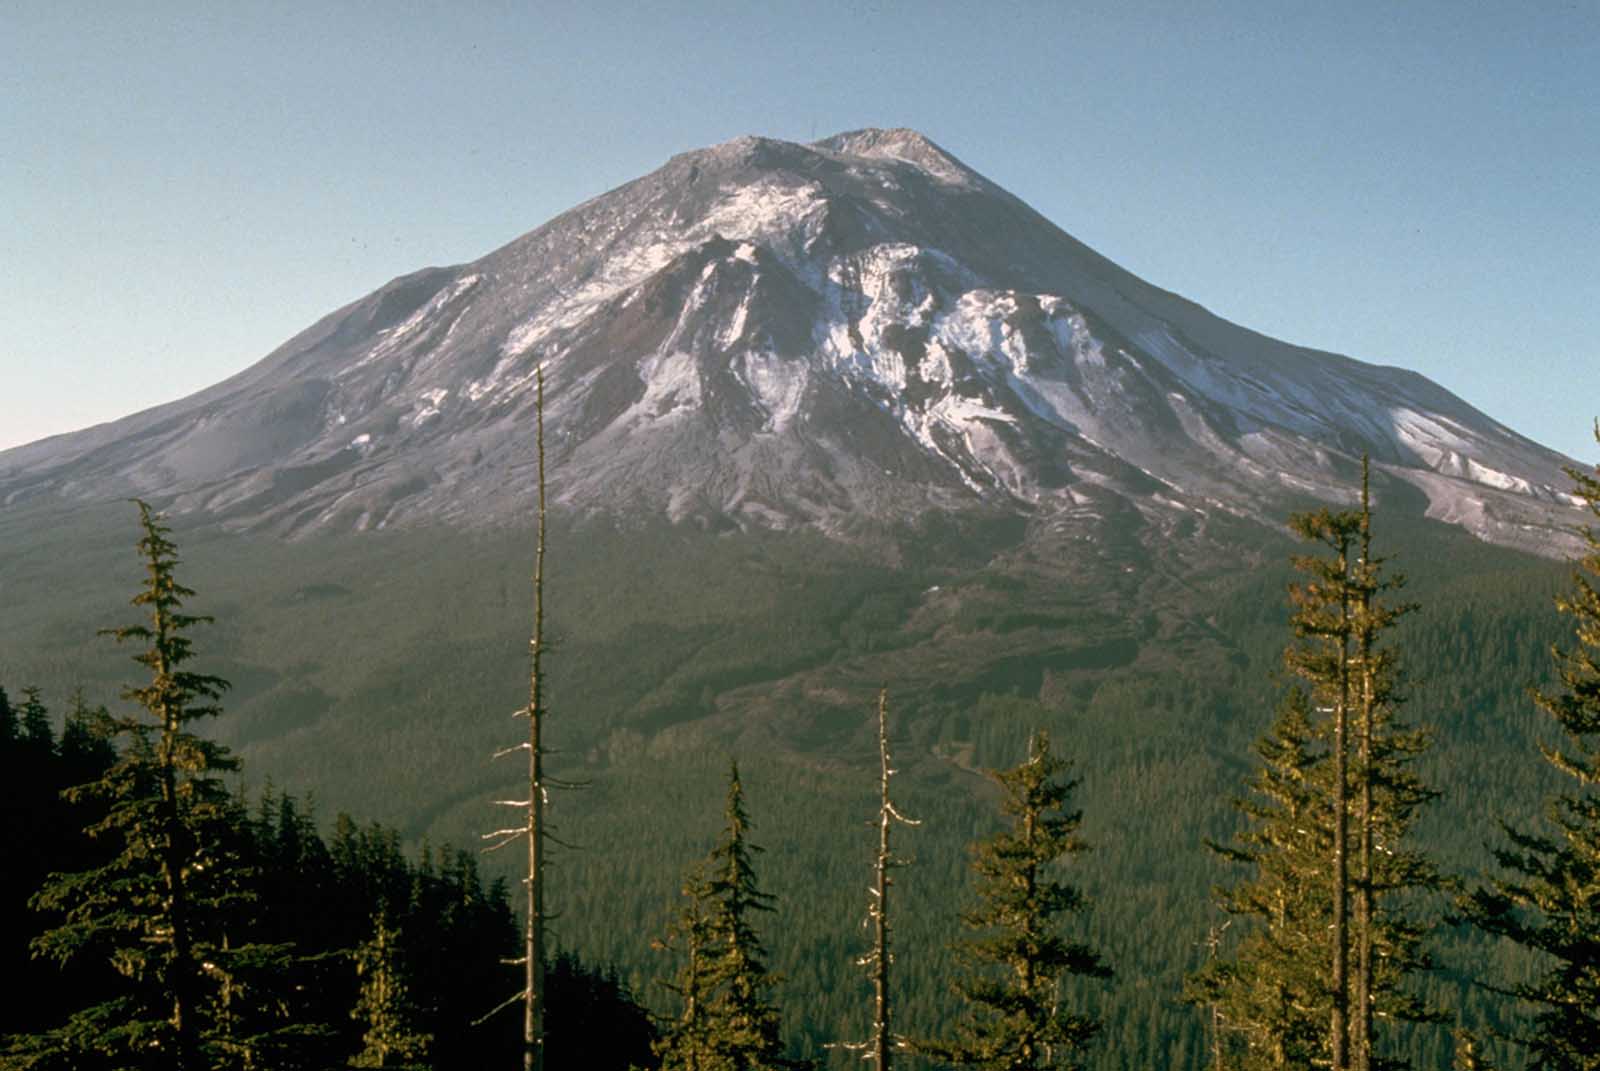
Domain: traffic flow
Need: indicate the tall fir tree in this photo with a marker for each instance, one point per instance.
(1016, 963)
(1332, 932)
(746, 1031)
(728, 1021)
(1548, 900)
(1269, 997)
(155, 911)
(1323, 606)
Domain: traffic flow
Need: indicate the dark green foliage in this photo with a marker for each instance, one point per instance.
(678, 645)
(685, 1044)
(1548, 897)
(1014, 966)
(40, 834)
(1328, 913)
(384, 1008)
(84, 749)
(35, 731)
(1269, 997)
(728, 1020)
(593, 1022)
(156, 911)
(1469, 1053)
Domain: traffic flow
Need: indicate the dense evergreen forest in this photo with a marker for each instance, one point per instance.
(1359, 904)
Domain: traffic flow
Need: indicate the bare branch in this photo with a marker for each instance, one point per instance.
(556, 782)
(497, 1009)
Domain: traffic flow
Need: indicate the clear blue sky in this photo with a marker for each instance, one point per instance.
(182, 187)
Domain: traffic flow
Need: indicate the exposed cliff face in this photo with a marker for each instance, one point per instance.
(764, 333)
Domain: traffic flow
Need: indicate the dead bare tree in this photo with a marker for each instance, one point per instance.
(883, 1041)
(532, 831)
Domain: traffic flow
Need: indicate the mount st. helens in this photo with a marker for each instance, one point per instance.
(772, 334)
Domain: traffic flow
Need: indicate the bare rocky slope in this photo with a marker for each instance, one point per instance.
(774, 335)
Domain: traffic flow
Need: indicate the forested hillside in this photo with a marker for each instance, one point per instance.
(383, 698)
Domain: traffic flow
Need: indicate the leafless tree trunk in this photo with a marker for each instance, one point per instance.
(532, 831)
(882, 1042)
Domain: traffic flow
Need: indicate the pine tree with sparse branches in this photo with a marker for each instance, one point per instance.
(1548, 900)
(1016, 963)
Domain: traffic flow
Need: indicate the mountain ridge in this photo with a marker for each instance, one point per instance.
(775, 334)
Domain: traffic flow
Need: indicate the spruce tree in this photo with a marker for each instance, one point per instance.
(9, 730)
(1548, 900)
(1269, 997)
(1014, 966)
(1324, 605)
(384, 1008)
(685, 1045)
(743, 1023)
(1331, 932)
(37, 736)
(85, 752)
(728, 1021)
(154, 912)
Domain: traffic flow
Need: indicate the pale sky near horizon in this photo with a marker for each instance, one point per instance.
(185, 186)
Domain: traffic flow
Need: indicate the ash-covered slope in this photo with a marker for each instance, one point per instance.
(777, 334)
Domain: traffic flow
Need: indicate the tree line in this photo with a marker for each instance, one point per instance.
(187, 928)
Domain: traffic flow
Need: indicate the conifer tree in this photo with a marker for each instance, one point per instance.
(1309, 978)
(686, 1044)
(1269, 998)
(1549, 897)
(84, 750)
(1015, 965)
(1322, 621)
(384, 1007)
(154, 911)
(744, 1027)
(36, 733)
(8, 720)
(728, 1021)
(1387, 795)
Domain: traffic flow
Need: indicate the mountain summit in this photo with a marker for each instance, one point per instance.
(774, 334)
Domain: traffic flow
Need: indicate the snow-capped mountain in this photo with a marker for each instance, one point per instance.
(774, 334)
